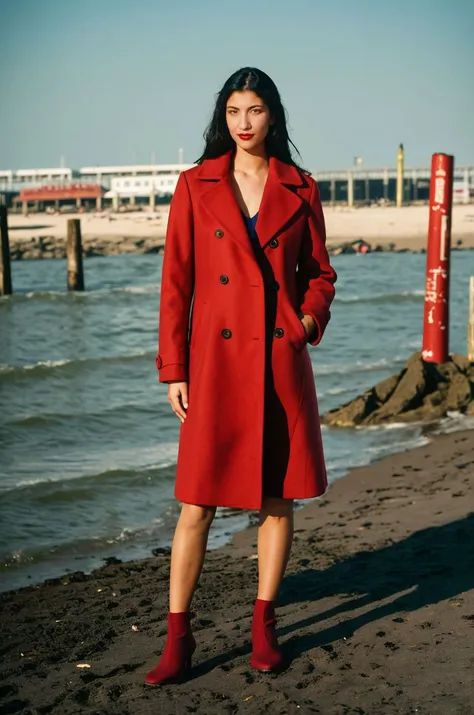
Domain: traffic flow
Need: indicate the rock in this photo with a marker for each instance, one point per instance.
(110, 560)
(422, 391)
(352, 413)
(161, 551)
(460, 393)
(444, 372)
(384, 389)
(433, 400)
(33, 253)
(462, 362)
(408, 393)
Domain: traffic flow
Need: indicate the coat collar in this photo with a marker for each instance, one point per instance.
(219, 167)
(280, 202)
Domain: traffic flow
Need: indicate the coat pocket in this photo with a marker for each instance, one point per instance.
(197, 322)
(299, 331)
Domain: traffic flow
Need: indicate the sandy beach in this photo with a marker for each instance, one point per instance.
(406, 227)
(376, 611)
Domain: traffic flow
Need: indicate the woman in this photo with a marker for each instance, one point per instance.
(246, 284)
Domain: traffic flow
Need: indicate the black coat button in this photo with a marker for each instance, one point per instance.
(224, 279)
(278, 332)
(219, 232)
(274, 243)
(275, 285)
(226, 333)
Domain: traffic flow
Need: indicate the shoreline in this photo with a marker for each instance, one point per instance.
(40, 236)
(374, 608)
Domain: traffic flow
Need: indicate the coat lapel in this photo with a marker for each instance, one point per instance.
(218, 197)
(280, 202)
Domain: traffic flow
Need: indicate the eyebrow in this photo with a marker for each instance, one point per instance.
(230, 106)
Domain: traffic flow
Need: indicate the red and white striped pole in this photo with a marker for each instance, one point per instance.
(436, 318)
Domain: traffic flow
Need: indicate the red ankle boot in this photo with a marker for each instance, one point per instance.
(266, 653)
(179, 648)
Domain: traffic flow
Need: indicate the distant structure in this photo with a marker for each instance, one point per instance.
(89, 187)
(362, 186)
(100, 186)
(136, 180)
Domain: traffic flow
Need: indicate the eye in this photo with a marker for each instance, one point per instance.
(231, 111)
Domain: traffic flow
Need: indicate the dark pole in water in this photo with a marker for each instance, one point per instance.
(75, 274)
(436, 314)
(5, 270)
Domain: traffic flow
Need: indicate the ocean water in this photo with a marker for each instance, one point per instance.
(88, 441)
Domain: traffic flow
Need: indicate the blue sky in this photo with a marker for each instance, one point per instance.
(110, 81)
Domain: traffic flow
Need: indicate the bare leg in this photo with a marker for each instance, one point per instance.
(275, 537)
(188, 553)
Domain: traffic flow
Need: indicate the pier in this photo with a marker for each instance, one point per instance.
(359, 186)
(145, 184)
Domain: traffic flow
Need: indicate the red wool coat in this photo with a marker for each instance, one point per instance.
(229, 325)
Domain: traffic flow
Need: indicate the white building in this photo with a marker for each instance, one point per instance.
(162, 184)
(131, 180)
(30, 178)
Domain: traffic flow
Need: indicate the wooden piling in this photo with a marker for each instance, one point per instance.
(350, 189)
(470, 329)
(385, 184)
(400, 175)
(75, 273)
(5, 268)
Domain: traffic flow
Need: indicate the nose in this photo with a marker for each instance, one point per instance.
(244, 122)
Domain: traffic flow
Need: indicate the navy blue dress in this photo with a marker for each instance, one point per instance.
(250, 222)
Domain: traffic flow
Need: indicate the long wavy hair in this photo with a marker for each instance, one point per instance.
(277, 142)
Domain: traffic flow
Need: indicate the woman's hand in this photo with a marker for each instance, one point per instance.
(178, 398)
(309, 324)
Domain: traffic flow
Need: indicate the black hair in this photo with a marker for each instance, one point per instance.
(277, 142)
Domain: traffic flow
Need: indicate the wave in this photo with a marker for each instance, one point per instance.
(405, 296)
(81, 546)
(134, 541)
(50, 489)
(57, 419)
(359, 366)
(454, 422)
(336, 391)
(43, 368)
(51, 295)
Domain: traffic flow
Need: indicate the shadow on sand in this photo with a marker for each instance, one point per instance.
(430, 566)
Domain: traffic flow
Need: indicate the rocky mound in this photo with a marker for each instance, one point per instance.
(51, 247)
(360, 245)
(422, 391)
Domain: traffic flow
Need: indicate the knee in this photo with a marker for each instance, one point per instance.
(274, 508)
(197, 517)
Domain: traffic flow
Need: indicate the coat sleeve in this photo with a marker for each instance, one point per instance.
(177, 286)
(315, 276)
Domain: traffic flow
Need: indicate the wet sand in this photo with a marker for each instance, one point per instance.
(376, 611)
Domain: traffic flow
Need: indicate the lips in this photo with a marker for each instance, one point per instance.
(246, 137)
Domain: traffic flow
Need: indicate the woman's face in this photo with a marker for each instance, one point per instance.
(248, 119)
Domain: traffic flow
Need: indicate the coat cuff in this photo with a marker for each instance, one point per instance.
(172, 372)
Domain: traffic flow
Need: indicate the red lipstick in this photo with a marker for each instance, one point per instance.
(245, 137)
